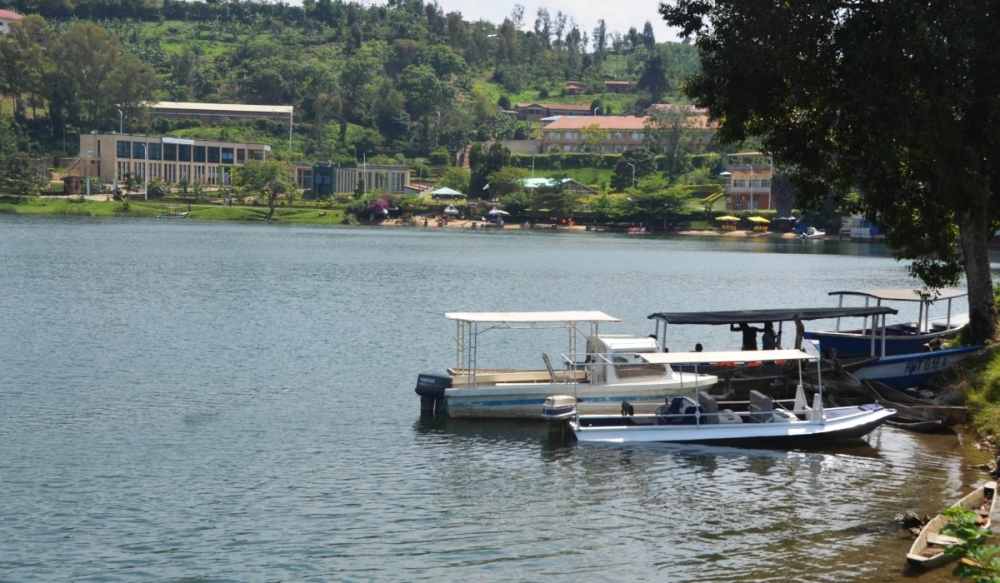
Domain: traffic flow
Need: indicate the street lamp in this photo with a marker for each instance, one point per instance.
(633, 173)
(121, 122)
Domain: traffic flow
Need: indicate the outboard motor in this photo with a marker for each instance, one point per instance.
(431, 388)
(557, 410)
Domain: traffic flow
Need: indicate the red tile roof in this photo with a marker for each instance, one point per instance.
(581, 108)
(604, 122)
(7, 14)
(617, 83)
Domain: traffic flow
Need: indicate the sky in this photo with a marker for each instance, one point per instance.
(585, 12)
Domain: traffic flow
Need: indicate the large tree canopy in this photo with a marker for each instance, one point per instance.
(897, 99)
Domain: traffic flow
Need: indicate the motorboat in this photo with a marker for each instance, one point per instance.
(699, 419)
(812, 233)
(173, 216)
(912, 408)
(928, 550)
(610, 370)
(907, 354)
(904, 338)
(763, 372)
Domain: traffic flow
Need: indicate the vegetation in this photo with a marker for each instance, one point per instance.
(856, 100)
(981, 562)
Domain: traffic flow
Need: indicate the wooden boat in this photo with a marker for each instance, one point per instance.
(173, 216)
(928, 550)
(914, 424)
(919, 410)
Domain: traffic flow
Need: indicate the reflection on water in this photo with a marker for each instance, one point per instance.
(235, 402)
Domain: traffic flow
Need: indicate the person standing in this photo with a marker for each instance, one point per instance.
(769, 340)
(749, 335)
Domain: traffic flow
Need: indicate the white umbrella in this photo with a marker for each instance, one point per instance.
(495, 212)
(451, 210)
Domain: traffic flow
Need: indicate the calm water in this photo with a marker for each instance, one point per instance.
(215, 402)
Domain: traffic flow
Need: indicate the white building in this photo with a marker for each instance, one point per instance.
(7, 17)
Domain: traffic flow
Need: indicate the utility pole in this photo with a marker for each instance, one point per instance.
(121, 122)
(364, 170)
(633, 173)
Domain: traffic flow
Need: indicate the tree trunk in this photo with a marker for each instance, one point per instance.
(975, 234)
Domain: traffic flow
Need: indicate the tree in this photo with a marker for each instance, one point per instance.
(645, 164)
(87, 54)
(669, 129)
(593, 140)
(648, 38)
(654, 76)
(456, 179)
(485, 163)
(555, 198)
(130, 85)
(516, 202)
(900, 101)
(506, 180)
(268, 179)
(652, 199)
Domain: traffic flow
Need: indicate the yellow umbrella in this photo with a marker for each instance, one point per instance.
(758, 219)
(727, 218)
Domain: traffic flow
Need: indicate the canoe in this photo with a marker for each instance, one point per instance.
(915, 425)
(928, 550)
(172, 216)
(947, 415)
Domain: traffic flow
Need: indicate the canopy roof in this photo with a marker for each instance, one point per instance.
(570, 316)
(758, 219)
(445, 191)
(904, 295)
(759, 316)
(727, 218)
(725, 356)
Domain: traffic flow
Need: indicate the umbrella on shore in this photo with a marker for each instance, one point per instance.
(451, 210)
(727, 218)
(497, 212)
(761, 220)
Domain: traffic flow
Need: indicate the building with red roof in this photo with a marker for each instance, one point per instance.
(565, 135)
(537, 111)
(6, 18)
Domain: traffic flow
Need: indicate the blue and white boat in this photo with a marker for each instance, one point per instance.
(905, 338)
(760, 420)
(906, 351)
(609, 371)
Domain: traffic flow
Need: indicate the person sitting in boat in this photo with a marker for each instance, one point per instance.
(769, 340)
(698, 347)
(749, 335)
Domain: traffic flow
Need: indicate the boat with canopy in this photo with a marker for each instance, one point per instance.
(608, 370)
(699, 419)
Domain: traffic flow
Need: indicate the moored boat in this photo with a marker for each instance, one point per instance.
(928, 550)
(610, 370)
(698, 419)
(914, 408)
(909, 370)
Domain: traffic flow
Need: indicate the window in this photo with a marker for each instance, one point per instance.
(139, 150)
(739, 205)
(155, 151)
(124, 149)
(635, 136)
(569, 135)
(184, 152)
(765, 183)
(567, 148)
(227, 155)
(618, 149)
(740, 183)
(618, 136)
(213, 155)
(241, 156)
(170, 152)
(199, 155)
(755, 183)
(256, 154)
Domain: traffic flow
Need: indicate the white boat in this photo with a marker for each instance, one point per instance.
(928, 550)
(610, 371)
(813, 233)
(698, 418)
(173, 216)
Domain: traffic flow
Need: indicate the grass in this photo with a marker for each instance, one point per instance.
(67, 207)
(581, 175)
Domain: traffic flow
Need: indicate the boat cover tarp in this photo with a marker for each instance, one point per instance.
(761, 316)
(523, 317)
(724, 356)
(904, 295)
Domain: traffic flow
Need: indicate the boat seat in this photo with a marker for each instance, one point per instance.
(561, 378)
(761, 408)
(710, 407)
(941, 539)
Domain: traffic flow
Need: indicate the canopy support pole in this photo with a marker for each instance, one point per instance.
(883, 335)
(840, 304)
(947, 323)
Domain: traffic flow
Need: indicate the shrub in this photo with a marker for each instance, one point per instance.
(441, 157)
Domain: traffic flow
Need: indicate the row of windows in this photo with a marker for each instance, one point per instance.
(169, 172)
(754, 183)
(634, 137)
(186, 153)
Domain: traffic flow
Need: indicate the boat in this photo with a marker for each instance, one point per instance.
(910, 408)
(763, 373)
(928, 550)
(173, 216)
(914, 424)
(698, 419)
(904, 338)
(909, 370)
(812, 233)
(609, 371)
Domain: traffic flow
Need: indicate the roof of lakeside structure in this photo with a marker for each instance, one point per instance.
(223, 107)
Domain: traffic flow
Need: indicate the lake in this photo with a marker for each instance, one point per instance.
(225, 402)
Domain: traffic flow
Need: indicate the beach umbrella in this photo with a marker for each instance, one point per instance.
(727, 218)
(451, 210)
(497, 212)
(761, 220)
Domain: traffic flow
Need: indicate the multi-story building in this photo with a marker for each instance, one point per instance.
(567, 134)
(537, 111)
(213, 113)
(344, 179)
(6, 18)
(112, 156)
(748, 184)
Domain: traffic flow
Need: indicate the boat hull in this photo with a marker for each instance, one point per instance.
(525, 401)
(909, 370)
(850, 345)
(918, 554)
(841, 423)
